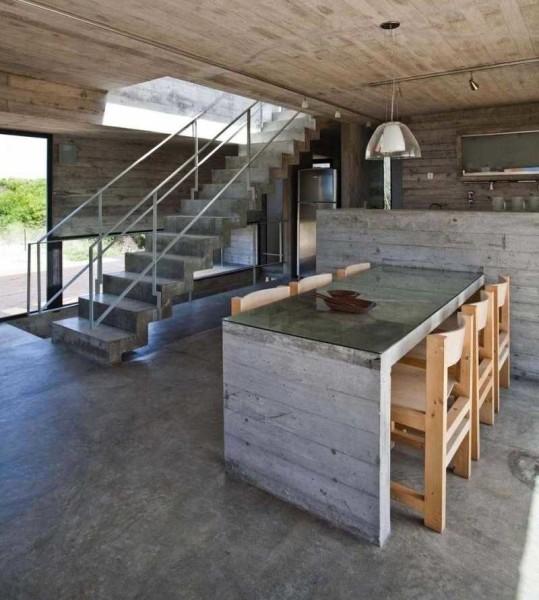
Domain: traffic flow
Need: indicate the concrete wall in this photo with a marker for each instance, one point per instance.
(99, 159)
(437, 134)
(35, 104)
(494, 243)
(177, 97)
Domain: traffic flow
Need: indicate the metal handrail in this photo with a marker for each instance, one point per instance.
(130, 168)
(158, 187)
(156, 258)
(112, 232)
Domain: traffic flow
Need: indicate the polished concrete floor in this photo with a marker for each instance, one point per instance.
(112, 487)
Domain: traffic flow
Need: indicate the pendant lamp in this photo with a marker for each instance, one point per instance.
(392, 139)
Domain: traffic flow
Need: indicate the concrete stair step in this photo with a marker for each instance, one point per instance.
(188, 245)
(220, 226)
(286, 114)
(258, 175)
(115, 284)
(300, 123)
(278, 147)
(222, 207)
(289, 134)
(130, 314)
(104, 344)
(234, 190)
(171, 266)
(266, 160)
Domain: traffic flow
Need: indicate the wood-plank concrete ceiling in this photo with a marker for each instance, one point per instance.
(280, 49)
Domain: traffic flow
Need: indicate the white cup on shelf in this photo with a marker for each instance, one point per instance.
(498, 203)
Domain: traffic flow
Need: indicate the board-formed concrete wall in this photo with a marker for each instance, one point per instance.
(99, 159)
(494, 243)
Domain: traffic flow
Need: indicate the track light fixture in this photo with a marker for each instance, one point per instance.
(474, 86)
(305, 103)
(337, 114)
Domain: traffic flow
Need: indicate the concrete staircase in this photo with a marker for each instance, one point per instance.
(126, 327)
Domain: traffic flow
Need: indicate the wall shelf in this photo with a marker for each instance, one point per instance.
(499, 176)
(486, 157)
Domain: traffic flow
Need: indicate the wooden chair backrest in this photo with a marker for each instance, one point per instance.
(310, 283)
(448, 348)
(258, 299)
(502, 293)
(480, 310)
(352, 270)
(454, 343)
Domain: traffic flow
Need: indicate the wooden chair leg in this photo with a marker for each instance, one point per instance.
(435, 489)
(486, 413)
(475, 437)
(476, 446)
(505, 374)
(496, 387)
(435, 476)
(462, 461)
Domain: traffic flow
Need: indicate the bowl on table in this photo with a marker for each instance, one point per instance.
(346, 301)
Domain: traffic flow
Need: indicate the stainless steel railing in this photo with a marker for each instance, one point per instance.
(152, 266)
(45, 239)
(95, 285)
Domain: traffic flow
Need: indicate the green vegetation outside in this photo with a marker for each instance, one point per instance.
(23, 201)
(23, 215)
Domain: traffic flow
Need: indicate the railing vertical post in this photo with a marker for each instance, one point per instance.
(154, 244)
(38, 276)
(91, 286)
(29, 279)
(99, 281)
(255, 251)
(249, 150)
(195, 127)
(281, 241)
(194, 131)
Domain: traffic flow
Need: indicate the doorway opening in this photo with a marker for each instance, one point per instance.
(25, 188)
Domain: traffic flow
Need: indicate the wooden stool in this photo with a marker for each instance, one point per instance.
(257, 299)
(310, 283)
(352, 270)
(423, 417)
(502, 335)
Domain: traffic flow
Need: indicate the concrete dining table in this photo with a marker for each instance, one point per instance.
(307, 391)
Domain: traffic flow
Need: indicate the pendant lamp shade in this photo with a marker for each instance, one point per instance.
(392, 139)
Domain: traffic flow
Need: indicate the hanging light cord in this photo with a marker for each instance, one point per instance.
(394, 83)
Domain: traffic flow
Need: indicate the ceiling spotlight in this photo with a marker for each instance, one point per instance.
(337, 114)
(305, 103)
(474, 86)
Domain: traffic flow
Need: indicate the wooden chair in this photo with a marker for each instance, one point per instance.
(483, 380)
(257, 299)
(352, 270)
(310, 283)
(502, 335)
(423, 416)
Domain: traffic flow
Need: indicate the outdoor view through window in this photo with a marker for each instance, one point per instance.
(23, 207)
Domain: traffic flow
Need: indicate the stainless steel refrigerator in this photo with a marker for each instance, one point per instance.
(317, 190)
